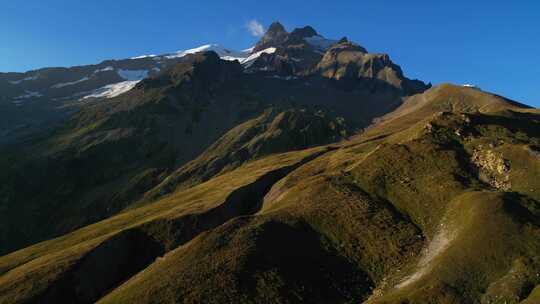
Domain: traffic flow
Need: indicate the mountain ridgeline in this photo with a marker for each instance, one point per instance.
(113, 151)
(305, 169)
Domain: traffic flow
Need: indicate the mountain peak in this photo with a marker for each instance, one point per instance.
(304, 32)
(276, 34)
(275, 28)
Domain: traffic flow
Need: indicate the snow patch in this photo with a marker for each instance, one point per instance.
(245, 57)
(222, 52)
(24, 79)
(143, 56)
(133, 75)
(112, 90)
(105, 69)
(65, 84)
(469, 85)
(247, 62)
(28, 94)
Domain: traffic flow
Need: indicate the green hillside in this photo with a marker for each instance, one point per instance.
(443, 210)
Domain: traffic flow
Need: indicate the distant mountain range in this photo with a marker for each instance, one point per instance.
(304, 169)
(34, 100)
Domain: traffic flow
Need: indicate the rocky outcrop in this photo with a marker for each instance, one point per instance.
(349, 61)
(493, 169)
(304, 52)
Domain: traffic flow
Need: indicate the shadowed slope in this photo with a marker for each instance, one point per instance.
(168, 223)
(272, 132)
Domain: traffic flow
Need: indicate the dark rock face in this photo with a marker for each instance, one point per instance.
(304, 32)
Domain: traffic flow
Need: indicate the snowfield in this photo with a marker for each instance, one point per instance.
(112, 90)
(221, 51)
(247, 62)
(133, 77)
(130, 78)
(245, 57)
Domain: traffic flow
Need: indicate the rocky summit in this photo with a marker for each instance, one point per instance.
(302, 170)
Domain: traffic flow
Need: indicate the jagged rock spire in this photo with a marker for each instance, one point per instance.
(276, 29)
(276, 34)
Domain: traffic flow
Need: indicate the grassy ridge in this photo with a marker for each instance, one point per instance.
(426, 206)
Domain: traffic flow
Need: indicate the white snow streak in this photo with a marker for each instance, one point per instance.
(222, 52)
(112, 90)
(251, 58)
(65, 84)
(28, 94)
(25, 79)
(245, 57)
(105, 69)
(143, 56)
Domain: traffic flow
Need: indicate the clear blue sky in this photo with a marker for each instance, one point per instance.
(494, 44)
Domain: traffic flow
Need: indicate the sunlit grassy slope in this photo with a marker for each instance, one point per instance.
(437, 203)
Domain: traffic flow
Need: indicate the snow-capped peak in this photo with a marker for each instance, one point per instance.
(245, 57)
(221, 51)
